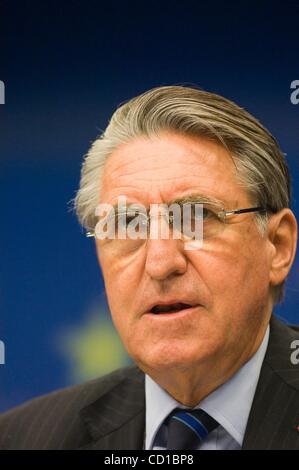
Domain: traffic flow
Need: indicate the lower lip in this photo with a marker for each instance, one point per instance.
(178, 314)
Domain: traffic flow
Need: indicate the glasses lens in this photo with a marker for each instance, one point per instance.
(125, 231)
(122, 231)
(200, 221)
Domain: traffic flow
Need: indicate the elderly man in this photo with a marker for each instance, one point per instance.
(214, 368)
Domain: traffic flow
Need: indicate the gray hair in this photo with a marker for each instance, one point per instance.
(260, 164)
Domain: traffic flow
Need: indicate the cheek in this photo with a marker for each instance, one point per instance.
(119, 305)
(233, 276)
(121, 280)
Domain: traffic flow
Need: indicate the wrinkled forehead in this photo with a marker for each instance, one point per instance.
(161, 169)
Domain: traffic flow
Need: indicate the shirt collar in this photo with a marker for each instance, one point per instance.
(229, 404)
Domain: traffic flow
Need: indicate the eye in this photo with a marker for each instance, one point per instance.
(130, 218)
(126, 219)
(122, 219)
(204, 212)
(208, 213)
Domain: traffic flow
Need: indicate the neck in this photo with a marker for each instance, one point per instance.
(190, 385)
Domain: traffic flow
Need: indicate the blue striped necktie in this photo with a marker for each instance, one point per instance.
(188, 428)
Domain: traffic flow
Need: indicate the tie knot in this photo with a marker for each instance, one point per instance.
(187, 428)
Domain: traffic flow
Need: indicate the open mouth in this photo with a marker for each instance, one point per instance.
(171, 308)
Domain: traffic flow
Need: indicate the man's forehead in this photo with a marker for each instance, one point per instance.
(187, 195)
(170, 191)
(158, 176)
(167, 150)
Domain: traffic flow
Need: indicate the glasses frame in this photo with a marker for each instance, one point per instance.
(221, 214)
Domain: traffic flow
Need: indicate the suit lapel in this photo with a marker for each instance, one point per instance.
(274, 416)
(117, 419)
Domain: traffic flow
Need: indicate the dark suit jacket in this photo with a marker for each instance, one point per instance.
(109, 413)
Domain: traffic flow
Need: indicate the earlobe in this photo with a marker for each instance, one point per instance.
(282, 235)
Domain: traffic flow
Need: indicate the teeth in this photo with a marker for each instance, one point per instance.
(170, 308)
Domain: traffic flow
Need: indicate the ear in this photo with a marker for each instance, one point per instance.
(282, 235)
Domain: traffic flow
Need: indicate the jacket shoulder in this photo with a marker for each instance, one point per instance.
(53, 421)
(282, 355)
(274, 418)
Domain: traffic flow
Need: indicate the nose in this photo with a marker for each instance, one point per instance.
(164, 258)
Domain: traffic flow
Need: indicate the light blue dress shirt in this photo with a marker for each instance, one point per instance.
(229, 404)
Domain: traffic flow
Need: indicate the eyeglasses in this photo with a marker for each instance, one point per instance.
(128, 229)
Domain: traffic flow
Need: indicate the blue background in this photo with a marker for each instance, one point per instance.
(66, 66)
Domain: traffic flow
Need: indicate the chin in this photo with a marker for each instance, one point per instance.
(164, 359)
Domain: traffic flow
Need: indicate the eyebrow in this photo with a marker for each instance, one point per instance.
(197, 198)
(115, 208)
(133, 205)
(190, 198)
